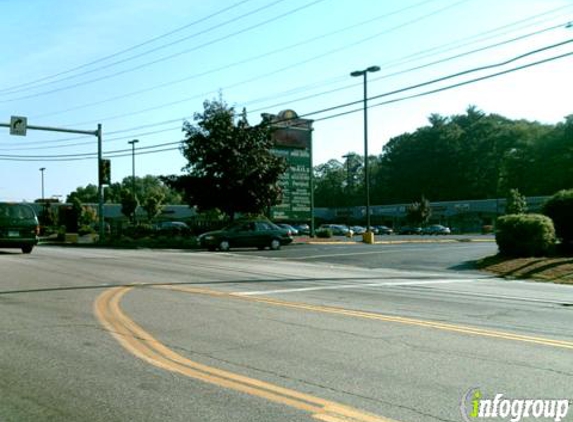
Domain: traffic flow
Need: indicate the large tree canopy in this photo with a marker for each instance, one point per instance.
(230, 163)
(467, 156)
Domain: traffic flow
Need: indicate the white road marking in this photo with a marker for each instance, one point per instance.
(355, 286)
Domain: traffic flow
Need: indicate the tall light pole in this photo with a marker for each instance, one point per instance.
(42, 170)
(132, 143)
(366, 170)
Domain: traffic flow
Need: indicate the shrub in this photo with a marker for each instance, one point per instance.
(525, 235)
(560, 209)
(324, 233)
(138, 231)
(86, 229)
(516, 203)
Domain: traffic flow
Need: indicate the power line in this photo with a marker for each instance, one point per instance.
(455, 75)
(161, 47)
(171, 56)
(299, 99)
(274, 73)
(444, 48)
(235, 64)
(288, 47)
(89, 155)
(467, 53)
(71, 157)
(126, 50)
(446, 88)
(505, 42)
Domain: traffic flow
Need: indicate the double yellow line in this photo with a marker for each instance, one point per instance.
(464, 329)
(140, 343)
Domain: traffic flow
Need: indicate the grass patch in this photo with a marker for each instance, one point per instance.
(554, 269)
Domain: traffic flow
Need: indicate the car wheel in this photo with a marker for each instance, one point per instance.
(224, 245)
(27, 249)
(275, 244)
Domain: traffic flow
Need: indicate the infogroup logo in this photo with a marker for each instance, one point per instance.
(475, 406)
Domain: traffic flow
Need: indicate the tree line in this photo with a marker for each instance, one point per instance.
(468, 156)
(473, 155)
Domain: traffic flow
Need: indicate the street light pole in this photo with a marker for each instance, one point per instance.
(132, 143)
(366, 169)
(42, 170)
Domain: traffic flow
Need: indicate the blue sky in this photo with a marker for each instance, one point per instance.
(140, 67)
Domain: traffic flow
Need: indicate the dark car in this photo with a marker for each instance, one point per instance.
(436, 229)
(302, 228)
(336, 229)
(293, 230)
(383, 230)
(19, 227)
(410, 230)
(246, 233)
(172, 227)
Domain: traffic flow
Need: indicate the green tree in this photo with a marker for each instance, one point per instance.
(474, 156)
(85, 195)
(516, 203)
(153, 204)
(129, 204)
(144, 186)
(230, 164)
(419, 213)
(329, 179)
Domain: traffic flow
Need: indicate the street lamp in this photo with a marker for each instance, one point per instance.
(366, 173)
(42, 170)
(132, 143)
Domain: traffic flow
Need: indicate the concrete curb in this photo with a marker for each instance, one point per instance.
(390, 242)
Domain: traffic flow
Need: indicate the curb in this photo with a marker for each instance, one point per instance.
(390, 242)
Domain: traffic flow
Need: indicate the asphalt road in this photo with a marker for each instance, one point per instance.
(308, 333)
(423, 253)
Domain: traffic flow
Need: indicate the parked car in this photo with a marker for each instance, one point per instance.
(259, 233)
(410, 230)
(19, 227)
(337, 229)
(436, 229)
(293, 230)
(358, 230)
(383, 230)
(302, 228)
(172, 227)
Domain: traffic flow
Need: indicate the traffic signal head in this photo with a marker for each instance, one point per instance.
(105, 172)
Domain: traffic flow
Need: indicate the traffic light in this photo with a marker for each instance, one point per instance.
(105, 172)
